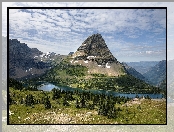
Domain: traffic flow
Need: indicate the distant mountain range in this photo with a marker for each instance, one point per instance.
(154, 72)
(130, 70)
(157, 73)
(142, 66)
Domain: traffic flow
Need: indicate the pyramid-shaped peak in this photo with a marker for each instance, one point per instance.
(95, 40)
(96, 35)
(96, 56)
(95, 46)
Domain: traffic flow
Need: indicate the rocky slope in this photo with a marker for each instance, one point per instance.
(25, 62)
(134, 73)
(157, 73)
(94, 54)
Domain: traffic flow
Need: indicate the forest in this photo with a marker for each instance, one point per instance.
(26, 103)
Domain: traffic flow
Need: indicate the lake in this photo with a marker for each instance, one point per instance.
(50, 86)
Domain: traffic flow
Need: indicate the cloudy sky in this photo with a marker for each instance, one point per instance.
(131, 34)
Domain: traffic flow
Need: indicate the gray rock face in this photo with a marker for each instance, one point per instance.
(21, 61)
(95, 48)
(94, 54)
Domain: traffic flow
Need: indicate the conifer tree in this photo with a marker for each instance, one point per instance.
(47, 103)
(77, 104)
(29, 101)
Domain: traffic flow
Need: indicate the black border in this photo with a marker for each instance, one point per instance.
(8, 8)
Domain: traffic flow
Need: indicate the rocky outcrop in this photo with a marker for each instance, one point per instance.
(95, 54)
(22, 63)
(94, 48)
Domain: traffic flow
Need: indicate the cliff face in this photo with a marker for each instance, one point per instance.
(22, 63)
(95, 54)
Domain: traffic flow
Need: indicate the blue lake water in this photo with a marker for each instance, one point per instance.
(49, 87)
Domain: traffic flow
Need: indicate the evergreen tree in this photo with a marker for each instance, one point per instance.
(15, 84)
(65, 102)
(29, 101)
(77, 104)
(82, 102)
(47, 103)
(56, 93)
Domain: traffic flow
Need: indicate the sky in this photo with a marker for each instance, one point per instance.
(131, 35)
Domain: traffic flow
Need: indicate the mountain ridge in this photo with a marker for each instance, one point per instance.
(157, 73)
(130, 70)
(25, 62)
(142, 66)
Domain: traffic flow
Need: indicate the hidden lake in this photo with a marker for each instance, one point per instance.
(50, 86)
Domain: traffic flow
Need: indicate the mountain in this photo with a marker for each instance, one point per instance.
(134, 73)
(163, 85)
(94, 54)
(157, 73)
(142, 66)
(93, 66)
(25, 62)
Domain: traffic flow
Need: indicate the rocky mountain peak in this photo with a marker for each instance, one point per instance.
(95, 48)
(95, 54)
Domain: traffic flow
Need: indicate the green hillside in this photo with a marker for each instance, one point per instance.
(60, 107)
(77, 76)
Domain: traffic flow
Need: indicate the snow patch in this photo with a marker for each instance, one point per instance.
(75, 61)
(47, 53)
(90, 57)
(99, 65)
(107, 66)
(86, 61)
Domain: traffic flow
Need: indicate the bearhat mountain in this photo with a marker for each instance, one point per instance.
(95, 54)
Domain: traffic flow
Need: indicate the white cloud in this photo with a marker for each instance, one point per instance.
(72, 27)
